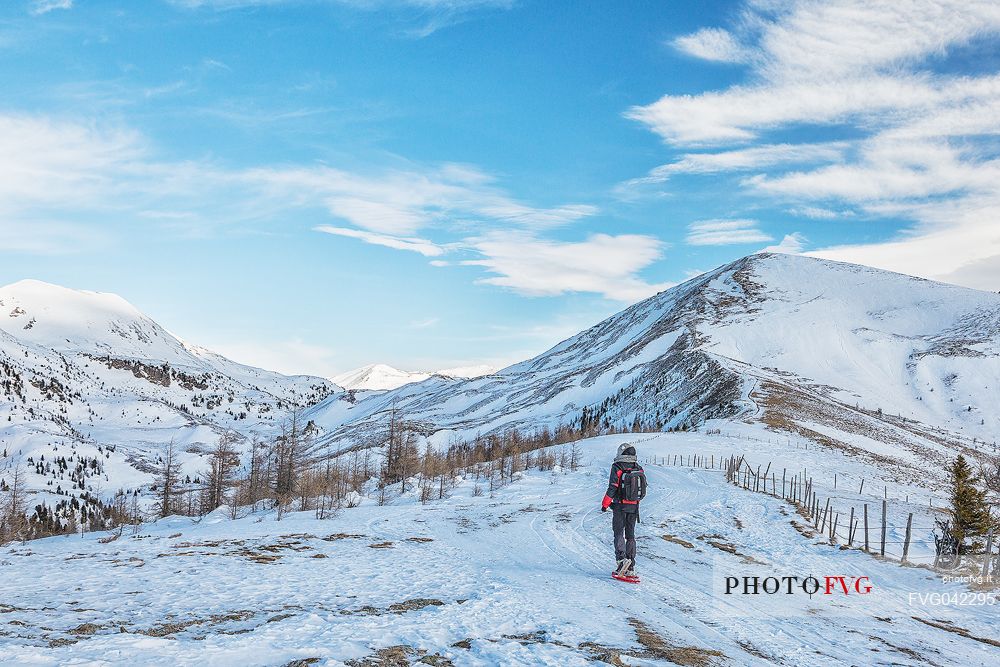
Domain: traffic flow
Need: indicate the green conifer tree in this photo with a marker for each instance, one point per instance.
(971, 518)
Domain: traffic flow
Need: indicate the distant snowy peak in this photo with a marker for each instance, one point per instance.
(382, 377)
(377, 377)
(478, 370)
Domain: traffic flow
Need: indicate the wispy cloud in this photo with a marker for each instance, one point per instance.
(756, 157)
(923, 144)
(403, 201)
(712, 44)
(424, 16)
(422, 246)
(39, 7)
(53, 167)
(725, 232)
(601, 264)
(820, 213)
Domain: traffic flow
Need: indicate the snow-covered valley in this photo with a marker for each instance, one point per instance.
(864, 381)
(516, 578)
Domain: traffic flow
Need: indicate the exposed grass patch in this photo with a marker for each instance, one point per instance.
(676, 540)
(86, 629)
(172, 628)
(654, 647)
(391, 656)
(721, 544)
(414, 604)
(948, 627)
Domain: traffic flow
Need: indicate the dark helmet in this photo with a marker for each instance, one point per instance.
(626, 449)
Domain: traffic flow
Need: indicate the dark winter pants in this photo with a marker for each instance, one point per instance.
(623, 523)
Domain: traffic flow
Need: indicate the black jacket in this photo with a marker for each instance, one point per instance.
(614, 483)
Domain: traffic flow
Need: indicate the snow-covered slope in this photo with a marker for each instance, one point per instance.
(833, 350)
(889, 367)
(90, 373)
(516, 577)
(380, 377)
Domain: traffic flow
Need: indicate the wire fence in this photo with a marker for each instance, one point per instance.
(852, 522)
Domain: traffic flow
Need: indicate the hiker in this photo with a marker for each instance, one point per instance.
(626, 487)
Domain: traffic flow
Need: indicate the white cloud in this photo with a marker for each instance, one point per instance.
(743, 159)
(925, 147)
(834, 62)
(712, 44)
(820, 213)
(422, 246)
(46, 163)
(792, 244)
(725, 232)
(601, 264)
(52, 170)
(403, 201)
(39, 7)
(889, 170)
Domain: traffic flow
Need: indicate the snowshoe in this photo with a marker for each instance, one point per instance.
(634, 579)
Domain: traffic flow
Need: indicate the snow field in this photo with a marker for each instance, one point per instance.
(519, 578)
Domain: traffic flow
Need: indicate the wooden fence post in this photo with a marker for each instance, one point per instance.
(989, 553)
(783, 483)
(833, 528)
(885, 507)
(826, 511)
(850, 528)
(862, 486)
(866, 526)
(906, 540)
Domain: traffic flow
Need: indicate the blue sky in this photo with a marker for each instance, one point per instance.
(311, 185)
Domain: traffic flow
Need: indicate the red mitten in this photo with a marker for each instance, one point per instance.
(606, 503)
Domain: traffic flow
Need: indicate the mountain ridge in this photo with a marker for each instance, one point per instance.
(783, 339)
(882, 365)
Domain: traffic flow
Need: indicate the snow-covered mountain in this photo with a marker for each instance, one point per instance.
(87, 372)
(381, 377)
(893, 368)
(839, 352)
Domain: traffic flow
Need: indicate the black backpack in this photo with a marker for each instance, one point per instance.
(633, 486)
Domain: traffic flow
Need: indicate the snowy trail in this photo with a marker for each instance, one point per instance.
(519, 578)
